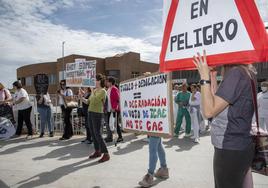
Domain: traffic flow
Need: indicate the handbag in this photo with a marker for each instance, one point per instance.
(260, 141)
(71, 104)
(112, 121)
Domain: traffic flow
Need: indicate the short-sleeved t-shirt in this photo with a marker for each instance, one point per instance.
(231, 128)
(96, 101)
(25, 103)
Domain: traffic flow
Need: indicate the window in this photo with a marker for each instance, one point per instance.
(114, 73)
(22, 81)
(28, 81)
(135, 74)
(52, 79)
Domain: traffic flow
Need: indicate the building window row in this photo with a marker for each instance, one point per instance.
(28, 81)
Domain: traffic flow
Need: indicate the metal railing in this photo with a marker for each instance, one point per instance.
(78, 123)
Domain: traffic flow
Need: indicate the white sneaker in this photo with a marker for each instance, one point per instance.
(196, 140)
(188, 135)
(147, 181)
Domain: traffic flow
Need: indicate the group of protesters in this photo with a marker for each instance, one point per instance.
(188, 110)
(205, 101)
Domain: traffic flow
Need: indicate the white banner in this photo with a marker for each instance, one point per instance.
(81, 74)
(145, 105)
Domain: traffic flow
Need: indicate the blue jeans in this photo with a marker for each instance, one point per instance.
(156, 151)
(45, 117)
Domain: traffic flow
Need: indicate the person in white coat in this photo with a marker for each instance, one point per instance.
(194, 102)
(175, 92)
(263, 106)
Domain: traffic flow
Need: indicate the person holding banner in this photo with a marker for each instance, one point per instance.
(66, 94)
(113, 109)
(182, 99)
(156, 150)
(5, 105)
(22, 103)
(95, 117)
(196, 118)
(232, 110)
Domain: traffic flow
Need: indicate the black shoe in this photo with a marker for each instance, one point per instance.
(108, 140)
(41, 135)
(83, 141)
(51, 134)
(120, 139)
(63, 138)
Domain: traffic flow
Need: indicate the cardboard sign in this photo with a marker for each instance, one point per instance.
(81, 74)
(41, 83)
(146, 105)
(231, 31)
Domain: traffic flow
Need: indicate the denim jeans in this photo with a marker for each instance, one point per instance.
(156, 151)
(45, 116)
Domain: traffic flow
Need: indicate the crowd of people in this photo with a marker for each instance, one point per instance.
(230, 126)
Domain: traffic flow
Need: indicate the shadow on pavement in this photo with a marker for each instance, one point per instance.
(184, 144)
(51, 143)
(77, 150)
(45, 178)
(130, 147)
(3, 185)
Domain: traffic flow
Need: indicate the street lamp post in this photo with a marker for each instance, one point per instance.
(63, 66)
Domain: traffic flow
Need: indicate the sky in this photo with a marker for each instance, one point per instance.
(32, 31)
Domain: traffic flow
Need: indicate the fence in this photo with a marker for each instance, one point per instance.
(77, 122)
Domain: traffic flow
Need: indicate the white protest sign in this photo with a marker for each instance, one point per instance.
(146, 105)
(81, 74)
(231, 31)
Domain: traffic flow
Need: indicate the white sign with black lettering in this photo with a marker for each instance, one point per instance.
(205, 24)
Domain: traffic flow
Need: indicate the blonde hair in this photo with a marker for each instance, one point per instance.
(2, 86)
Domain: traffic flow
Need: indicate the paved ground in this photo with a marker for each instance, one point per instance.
(49, 163)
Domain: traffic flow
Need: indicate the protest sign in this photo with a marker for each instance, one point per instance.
(146, 105)
(41, 83)
(231, 32)
(81, 74)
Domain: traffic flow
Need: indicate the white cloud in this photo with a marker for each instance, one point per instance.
(27, 36)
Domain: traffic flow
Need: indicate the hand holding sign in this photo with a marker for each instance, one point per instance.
(202, 66)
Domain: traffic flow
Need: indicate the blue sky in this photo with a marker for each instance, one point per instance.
(31, 31)
(123, 18)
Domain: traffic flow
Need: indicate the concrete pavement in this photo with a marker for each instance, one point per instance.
(48, 162)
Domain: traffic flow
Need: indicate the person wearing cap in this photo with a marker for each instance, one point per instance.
(263, 106)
